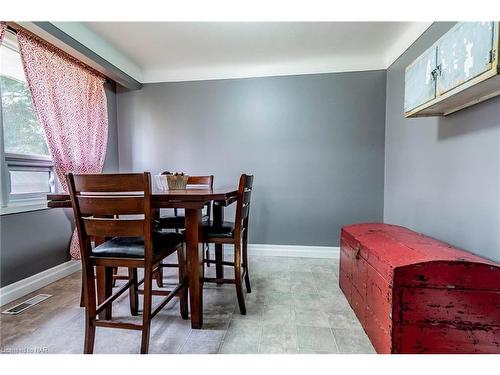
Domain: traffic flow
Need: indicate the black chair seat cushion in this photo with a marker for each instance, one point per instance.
(172, 221)
(226, 230)
(133, 247)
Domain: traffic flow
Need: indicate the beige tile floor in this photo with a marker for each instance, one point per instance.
(295, 306)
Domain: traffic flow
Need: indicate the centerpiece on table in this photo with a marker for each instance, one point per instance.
(176, 180)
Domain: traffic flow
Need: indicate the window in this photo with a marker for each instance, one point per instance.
(27, 170)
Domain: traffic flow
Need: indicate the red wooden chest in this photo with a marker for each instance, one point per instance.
(414, 294)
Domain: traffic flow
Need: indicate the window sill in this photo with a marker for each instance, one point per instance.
(20, 208)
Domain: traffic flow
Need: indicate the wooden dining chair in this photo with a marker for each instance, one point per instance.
(118, 206)
(176, 221)
(236, 234)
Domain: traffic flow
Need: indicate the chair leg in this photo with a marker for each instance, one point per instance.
(104, 277)
(219, 267)
(237, 278)
(207, 254)
(90, 309)
(183, 293)
(82, 296)
(245, 264)
(89, 335)
(115, 272)
(109, 272)
(146, 314)
(133, 292)
(159, 276)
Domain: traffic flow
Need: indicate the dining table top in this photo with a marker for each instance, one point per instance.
(225, 195)
(215, 194)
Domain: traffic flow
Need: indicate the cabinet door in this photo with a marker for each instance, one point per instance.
(464, 53)
(420, 86)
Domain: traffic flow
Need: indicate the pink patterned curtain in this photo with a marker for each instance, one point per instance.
(70, 103)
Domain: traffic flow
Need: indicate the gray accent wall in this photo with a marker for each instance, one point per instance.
(442, 174)
(315, 144)
(111, 161)
(34, 241)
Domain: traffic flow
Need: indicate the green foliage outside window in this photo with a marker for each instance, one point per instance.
(23, 134)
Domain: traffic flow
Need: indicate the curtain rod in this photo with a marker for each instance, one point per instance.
(14, 28)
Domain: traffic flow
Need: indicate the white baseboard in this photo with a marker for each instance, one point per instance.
(23, 287)
(326, 252)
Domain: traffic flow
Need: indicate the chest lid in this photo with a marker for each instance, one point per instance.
(419, 260)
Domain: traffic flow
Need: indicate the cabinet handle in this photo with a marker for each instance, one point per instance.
(438, 70)
(434, 74)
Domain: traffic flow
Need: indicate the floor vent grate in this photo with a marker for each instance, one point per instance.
(27, 304)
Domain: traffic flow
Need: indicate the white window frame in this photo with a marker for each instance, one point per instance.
(34, 163)
(22, 162)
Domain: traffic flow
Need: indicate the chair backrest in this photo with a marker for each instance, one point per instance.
(243, 203)
(102, 202)
(199, 181)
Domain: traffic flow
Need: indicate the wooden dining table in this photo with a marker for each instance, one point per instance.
(192, 201)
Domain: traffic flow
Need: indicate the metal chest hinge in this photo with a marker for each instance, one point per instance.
(355, 254)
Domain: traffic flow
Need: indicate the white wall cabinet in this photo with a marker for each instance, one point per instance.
(459, 70)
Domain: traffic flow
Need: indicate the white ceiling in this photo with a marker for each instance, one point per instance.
(183, 51)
